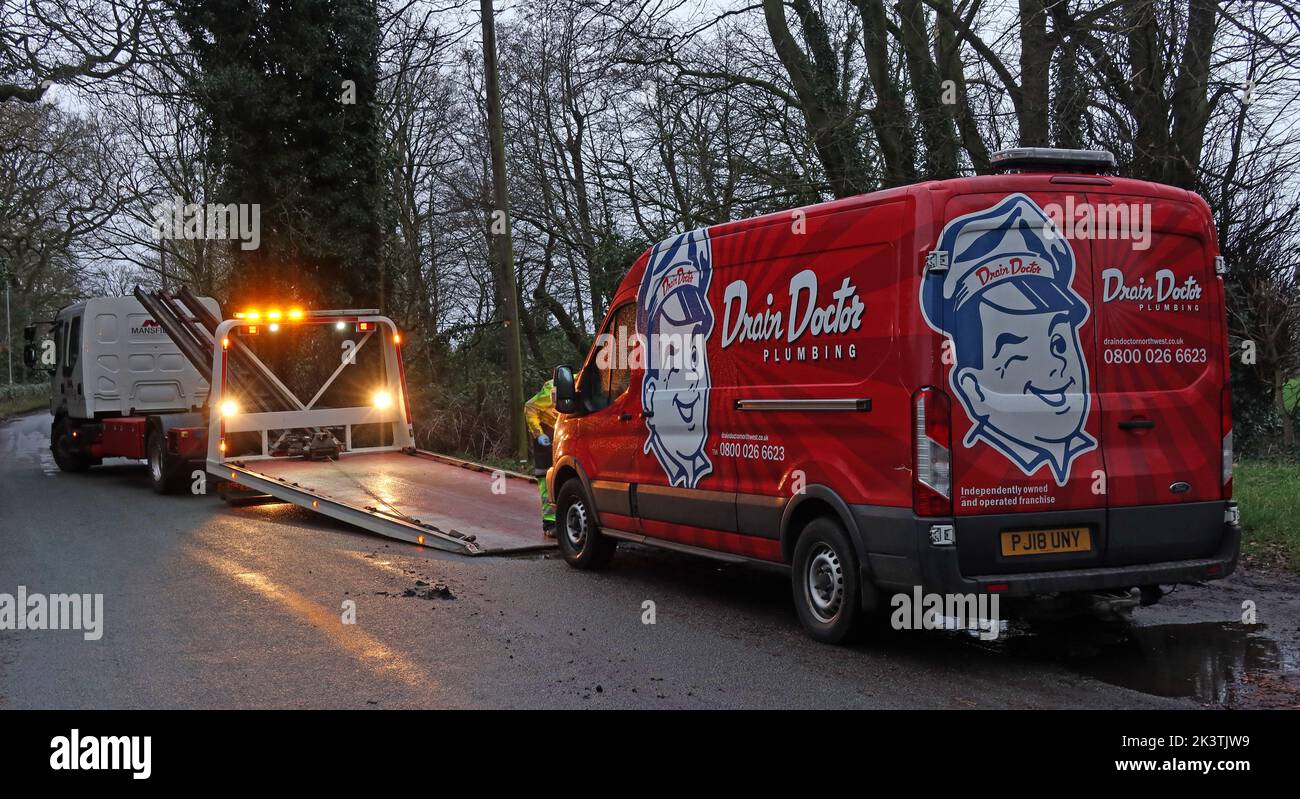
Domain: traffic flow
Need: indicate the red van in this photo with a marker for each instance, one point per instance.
(1012, 384)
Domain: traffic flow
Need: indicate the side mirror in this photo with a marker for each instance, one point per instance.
(566, 397)
(32, 350)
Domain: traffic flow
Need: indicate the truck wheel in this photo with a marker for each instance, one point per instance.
(164, 472)
(580, 539)
(826, 582)
(64, 448)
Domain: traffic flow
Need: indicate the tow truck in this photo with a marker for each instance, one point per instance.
(160, 376)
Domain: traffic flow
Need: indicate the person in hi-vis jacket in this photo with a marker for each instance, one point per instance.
(541, 414)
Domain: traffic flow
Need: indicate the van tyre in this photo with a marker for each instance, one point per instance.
(827, 583)
(64, 448)
(581, 542)
(165, 473)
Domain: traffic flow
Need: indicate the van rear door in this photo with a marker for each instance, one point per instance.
(1016, 305)
(1159, 328)
(1160, 375)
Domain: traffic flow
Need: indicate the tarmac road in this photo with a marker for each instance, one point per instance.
(208, 605)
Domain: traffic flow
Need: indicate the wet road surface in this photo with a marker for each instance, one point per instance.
(208, 605)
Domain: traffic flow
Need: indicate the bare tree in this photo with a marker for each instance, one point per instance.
(43, 43)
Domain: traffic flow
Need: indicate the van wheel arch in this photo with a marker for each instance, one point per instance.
(817, 500)
(566, 468)
(564, 474)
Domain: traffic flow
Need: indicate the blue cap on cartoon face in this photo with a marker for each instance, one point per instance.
(1010, 256)
(675, 286)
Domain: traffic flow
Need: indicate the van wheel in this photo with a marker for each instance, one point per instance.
(826, 582)
(580, 539)
(164, 474)
(64, 448)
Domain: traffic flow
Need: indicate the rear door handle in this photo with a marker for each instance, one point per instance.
(1137, 424)
(625, 417)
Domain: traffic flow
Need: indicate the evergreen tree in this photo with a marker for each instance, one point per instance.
(289, 89)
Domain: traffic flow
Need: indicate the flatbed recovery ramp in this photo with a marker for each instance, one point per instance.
(422, 498)
(298, 451)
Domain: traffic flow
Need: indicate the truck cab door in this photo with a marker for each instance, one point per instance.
(70, 397)
(611, 428)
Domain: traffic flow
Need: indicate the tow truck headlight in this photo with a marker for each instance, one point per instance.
(382, 399)
(229, 408)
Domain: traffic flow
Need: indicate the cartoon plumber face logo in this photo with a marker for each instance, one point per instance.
(1008, 306)
(675, 317)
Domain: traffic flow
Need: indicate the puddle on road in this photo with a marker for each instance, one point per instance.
(1216, 663)
(1219, 663)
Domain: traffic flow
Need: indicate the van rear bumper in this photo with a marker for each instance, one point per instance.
(899, 557)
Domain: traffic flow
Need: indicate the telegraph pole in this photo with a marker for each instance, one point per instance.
(9, 328)
(499, 235)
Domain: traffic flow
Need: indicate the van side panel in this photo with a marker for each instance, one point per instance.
(801, 381)
(772, 346)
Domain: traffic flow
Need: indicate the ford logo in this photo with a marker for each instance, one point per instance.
(1180, 487)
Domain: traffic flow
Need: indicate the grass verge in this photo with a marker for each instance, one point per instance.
(1269, 495)
(23, 398)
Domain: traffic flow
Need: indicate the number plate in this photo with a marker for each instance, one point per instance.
(1046, 542)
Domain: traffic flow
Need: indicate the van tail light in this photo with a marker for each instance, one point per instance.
(1225, 427)
(932, 453)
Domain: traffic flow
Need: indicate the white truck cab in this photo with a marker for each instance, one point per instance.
(120, 387)
(113, 359)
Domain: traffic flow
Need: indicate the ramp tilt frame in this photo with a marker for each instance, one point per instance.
(292, 413)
